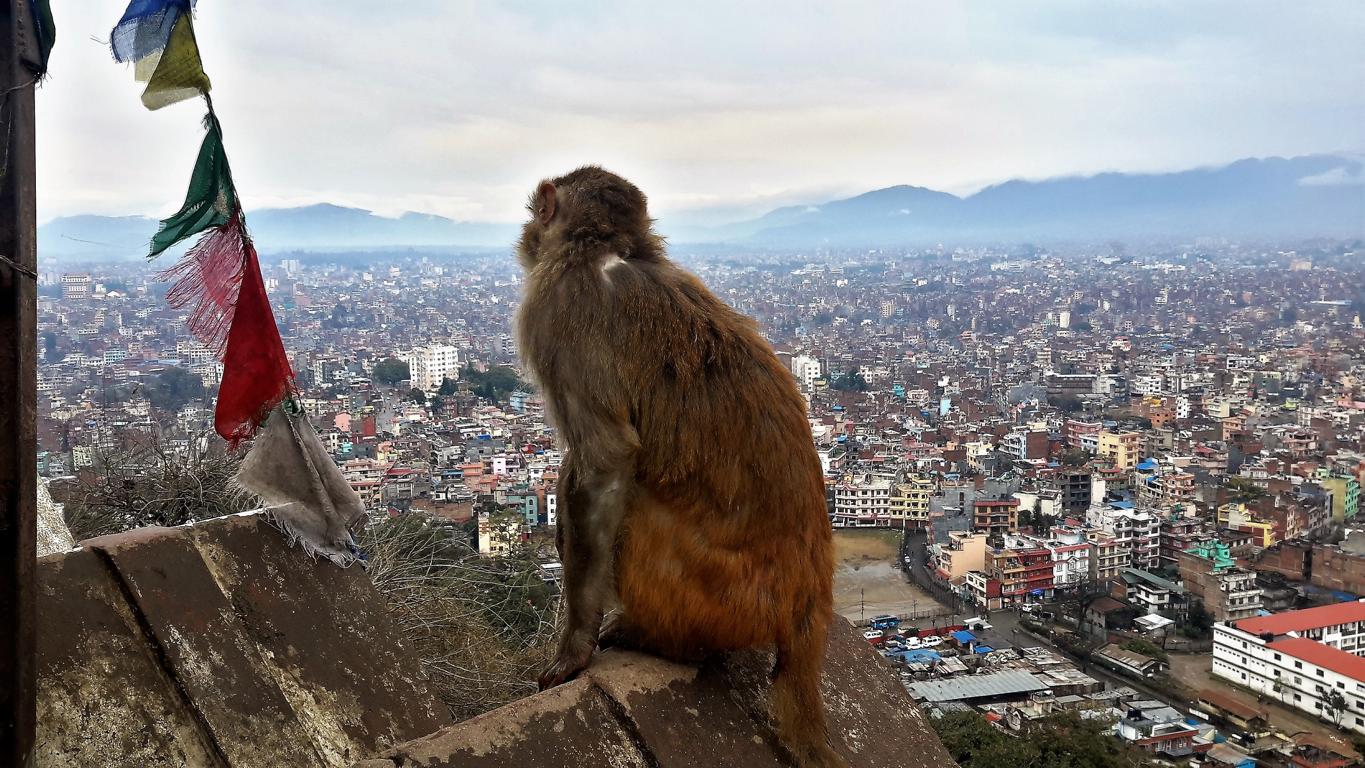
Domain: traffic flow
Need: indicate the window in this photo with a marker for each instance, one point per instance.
(1298, 665)
(1277, 657)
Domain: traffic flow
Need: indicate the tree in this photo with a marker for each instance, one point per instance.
(174, 388)
(417, 396)
(849, 381)
(493, 384)
(448, 387)
(391, 370)
(1063, 740)
(1336, 706)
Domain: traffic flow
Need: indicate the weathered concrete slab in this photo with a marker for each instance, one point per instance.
(685, 717)
(327, 635)
(222, 671)
(872, 719)
(219, 645)
(103, 698)
(570, 727)
(639, 708)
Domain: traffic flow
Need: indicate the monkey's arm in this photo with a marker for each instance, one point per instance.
(595, 485)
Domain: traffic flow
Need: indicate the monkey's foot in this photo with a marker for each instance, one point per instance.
(567, 664)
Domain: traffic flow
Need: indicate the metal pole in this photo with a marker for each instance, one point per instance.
(18, 386)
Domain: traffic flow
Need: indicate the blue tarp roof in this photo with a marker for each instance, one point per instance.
(963, 636)
(984, 649)
(1146, 464)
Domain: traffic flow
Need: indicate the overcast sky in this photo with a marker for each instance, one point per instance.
(715, 109)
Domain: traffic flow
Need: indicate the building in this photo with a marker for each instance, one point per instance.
(1074, 485)
(909, 504)
(1345, 492)
(964, 551)
(1136, 532)
(1120, 448)
(429, 366)
(1107, 557)
(1150, 592)
(806, 369)
(863, 502)
(1025, 574)
(1178, 534)
(1237, 516)
(1308, 659)
(995, 517)
(77, 286)
(1212, 577)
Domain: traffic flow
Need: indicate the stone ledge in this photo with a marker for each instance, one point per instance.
(630, 709)
(217, 644)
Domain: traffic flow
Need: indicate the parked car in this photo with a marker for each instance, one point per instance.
(930, 641)
(872, 635)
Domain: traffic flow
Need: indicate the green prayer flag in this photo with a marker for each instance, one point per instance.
(211, 198)
(179, 74)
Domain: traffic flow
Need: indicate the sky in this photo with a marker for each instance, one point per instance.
(717, 110)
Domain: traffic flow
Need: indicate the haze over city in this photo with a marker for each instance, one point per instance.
(721, 110)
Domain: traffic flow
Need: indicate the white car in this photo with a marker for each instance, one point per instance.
(930, 641)
(872, 634)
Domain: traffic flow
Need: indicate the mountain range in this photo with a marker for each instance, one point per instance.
(1309, 196)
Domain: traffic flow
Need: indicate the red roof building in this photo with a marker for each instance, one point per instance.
(1323, 617)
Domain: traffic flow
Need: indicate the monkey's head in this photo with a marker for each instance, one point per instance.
(584, 212)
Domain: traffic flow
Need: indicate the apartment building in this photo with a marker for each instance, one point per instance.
(995, 517)
(1137, 532)
(1308, 659)
(909, 503)
(863, 501)
(1211, 576)
(1120, 448)
(1025, 574)
(429, 366)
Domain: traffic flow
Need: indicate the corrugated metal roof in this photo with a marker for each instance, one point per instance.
(968, 687)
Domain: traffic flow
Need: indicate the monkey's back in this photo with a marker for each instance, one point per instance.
(728, 536)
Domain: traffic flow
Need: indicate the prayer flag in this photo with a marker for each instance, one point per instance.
(210, 200)
(179, 74)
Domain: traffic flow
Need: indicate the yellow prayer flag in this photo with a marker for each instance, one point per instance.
(179, 75)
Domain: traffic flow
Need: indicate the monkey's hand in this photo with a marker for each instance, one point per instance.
(572, 658)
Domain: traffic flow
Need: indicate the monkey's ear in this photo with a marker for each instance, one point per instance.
(545, 202)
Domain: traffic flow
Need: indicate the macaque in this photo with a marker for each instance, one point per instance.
(692, 502)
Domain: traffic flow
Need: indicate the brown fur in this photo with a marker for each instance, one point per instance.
(691, 488)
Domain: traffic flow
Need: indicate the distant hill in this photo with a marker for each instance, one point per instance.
(1311, 196)
(314, 227)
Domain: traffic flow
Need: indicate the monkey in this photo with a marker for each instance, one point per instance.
(691, 497)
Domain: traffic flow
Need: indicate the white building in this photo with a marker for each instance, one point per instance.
(806, 369)
(429, 366)
(862, 501)
(1305, 659)
(1136, 532)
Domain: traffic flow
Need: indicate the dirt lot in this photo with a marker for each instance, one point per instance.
(867, 580)
(1193, 672)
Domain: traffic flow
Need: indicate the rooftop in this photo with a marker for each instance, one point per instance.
(1323, 655)
(966, 687)
(1303, 620)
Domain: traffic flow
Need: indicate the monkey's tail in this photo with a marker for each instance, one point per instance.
(797, 706)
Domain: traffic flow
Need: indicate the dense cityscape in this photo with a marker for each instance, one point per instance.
(1123, 480)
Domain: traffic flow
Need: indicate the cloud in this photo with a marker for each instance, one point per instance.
(458, 107)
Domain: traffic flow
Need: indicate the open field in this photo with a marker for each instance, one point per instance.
(867, 580)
